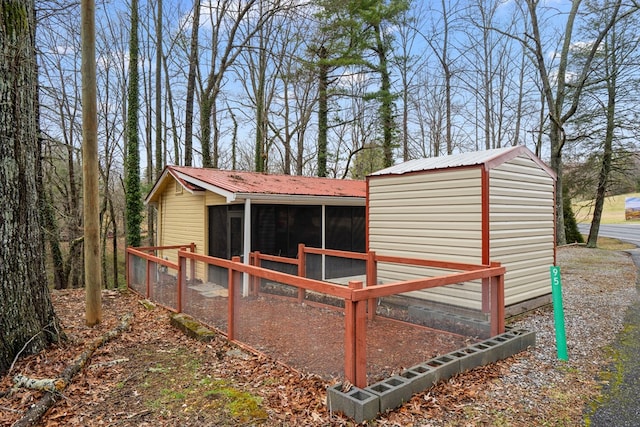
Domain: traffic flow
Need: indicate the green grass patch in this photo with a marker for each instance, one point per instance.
(178, 382)
(241, 405)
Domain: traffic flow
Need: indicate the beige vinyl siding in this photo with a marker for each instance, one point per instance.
(522, 227)
(469, 293)
(182, 220)
(428, 216)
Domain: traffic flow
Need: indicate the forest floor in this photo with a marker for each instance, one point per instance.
(153, 375)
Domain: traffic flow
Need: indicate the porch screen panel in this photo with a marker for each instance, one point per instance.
(305, 226)
(218, 231)
(345, 231)
(278, 229)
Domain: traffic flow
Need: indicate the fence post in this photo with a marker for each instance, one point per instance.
(148, 278)
(486, 292)
(127, 268)
(372, 280)
(254, 284)
(192, 248)
(302, 269)
(231, 307)
(355, 339)
(497, 303)
(181, 273)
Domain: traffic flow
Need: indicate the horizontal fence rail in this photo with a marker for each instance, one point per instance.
(153, 276)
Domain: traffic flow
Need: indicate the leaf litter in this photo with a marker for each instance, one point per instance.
(153, 375)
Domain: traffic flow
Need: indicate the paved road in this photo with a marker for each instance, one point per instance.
(625, 232)
(619, 405)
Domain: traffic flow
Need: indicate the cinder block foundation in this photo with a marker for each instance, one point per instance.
(392, 392)
(355, 403)
(421, 377)
(366, 404)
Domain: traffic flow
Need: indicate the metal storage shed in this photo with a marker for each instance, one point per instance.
(477, 207)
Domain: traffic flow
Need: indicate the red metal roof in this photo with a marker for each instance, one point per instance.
(258, 183)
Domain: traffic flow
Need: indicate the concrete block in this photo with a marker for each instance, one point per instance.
(469, 358)
(526, 338)
(491, 350)
(421, 377)
(446, 366)
(355, 403)
(506, 346)
(392, 392)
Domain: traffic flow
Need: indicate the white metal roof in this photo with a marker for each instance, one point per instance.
(488, 158)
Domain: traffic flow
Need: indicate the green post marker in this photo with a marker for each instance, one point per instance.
(558, 313)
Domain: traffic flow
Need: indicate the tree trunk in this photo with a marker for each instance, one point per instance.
(323, 113)
(386, 101)
(159, 145)
(205, 129)
(191, 85)
(133, 214)
(172, 115)
(234, 141)
(607, 156)
(556, 136)
(28, 319)
(90, 165)
(115, 244)
(261, 129)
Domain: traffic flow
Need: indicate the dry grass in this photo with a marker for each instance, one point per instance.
(613, 209)
(613, 244)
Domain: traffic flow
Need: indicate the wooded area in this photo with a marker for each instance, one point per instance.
(324, 87)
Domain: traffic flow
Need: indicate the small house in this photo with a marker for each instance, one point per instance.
(478, 207)
(231, 213)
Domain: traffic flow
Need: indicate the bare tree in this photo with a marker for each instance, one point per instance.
(408, 65)
(160, 143)
(561, 98)
(227, 42)
(603, 125)
(439, 40)
(272, 71)
(60, 113)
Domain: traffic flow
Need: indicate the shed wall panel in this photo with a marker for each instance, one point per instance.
(522, 227)
(428, 216)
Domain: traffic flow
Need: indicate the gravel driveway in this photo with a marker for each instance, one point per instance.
(534, 388)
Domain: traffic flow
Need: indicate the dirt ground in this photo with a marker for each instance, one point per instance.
(310, 338)
(154, 375)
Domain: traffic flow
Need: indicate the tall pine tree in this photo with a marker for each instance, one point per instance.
(357, 36)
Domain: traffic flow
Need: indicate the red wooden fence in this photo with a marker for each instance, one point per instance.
(359, 298)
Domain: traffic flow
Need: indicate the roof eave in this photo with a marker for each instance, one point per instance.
(512, 154)
(150, 199)
(229, 195)
(299, 199)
